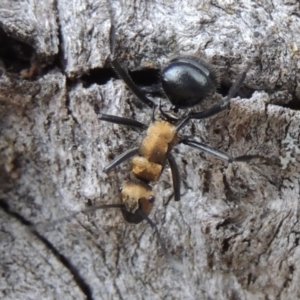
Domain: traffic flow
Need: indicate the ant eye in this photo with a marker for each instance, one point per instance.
(151, 199)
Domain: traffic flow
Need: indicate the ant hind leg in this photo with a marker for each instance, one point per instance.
(122, 121)
(218, 107)
(121, 72)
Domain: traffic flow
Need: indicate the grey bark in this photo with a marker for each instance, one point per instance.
(236, 229)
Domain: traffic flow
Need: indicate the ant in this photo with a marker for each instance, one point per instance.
(186, 82)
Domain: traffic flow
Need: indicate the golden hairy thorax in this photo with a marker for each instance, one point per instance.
(160, 139)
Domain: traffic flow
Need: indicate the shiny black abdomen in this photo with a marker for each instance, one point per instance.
(187, 81)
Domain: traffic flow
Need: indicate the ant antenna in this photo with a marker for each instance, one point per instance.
(174, 262)
(160, 239)
(73, 215)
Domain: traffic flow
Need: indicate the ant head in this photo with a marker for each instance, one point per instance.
(138, 198)
(188, 80)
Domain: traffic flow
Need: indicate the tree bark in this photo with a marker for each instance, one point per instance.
(234, 234)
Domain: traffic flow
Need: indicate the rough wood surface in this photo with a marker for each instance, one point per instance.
(236, 229)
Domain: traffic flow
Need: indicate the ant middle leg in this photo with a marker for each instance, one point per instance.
(217, 153)
(121, 158)
(175, 177)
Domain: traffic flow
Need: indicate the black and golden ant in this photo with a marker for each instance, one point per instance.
(186, 82)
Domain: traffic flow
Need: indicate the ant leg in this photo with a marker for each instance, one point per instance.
(118, 68)
(175, 177)
(153, 115)
(122, 121)
(218, 107)
(112, 31)
(170, 118)
(131, 85)
(217, 153)
(121, 158)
